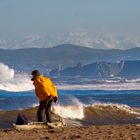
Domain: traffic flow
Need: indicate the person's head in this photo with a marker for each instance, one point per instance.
(35, 73)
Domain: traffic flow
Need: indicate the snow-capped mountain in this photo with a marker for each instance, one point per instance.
(76, 38)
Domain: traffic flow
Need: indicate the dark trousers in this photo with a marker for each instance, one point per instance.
(46, 104)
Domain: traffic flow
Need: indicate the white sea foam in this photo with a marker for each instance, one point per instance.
(16, 82)
(122, 107)
(35, 105)
(6, 72)
(10, 81)
(104, 86)
(72, 112)
(78, 111)
(121, 80)
(75, 111)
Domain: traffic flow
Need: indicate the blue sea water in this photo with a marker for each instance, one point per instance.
(22, 100)
(92, 101)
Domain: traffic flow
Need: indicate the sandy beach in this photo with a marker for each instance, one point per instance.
(94, 132)
(102, 132)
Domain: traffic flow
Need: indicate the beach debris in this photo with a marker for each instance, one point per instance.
(40, 125)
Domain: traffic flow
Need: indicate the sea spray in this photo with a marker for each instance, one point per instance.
(74, 111)
(98, 113)
(14, 82)
(17, 84)
(6, 72)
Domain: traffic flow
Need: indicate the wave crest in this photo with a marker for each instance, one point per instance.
(98, 113)
(110, 112)
(14, 82)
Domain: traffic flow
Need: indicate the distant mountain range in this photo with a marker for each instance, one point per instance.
(107, 41)
(64, 55)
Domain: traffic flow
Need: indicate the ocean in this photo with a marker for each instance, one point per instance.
(86, 106)
(85, 100)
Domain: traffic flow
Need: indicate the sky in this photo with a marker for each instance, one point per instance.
(20, 18)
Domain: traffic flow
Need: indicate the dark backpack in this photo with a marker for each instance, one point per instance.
(21, 119)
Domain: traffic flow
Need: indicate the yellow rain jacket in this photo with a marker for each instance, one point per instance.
(44, 87)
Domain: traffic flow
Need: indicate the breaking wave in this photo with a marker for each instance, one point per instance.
(14, 82)
(98, 113)
(68, 111)
(17, 82)
(103, 86)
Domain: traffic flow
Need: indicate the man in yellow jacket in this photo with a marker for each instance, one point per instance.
(46, 92)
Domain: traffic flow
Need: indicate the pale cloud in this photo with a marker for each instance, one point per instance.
(108, 41)
(79, 38)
